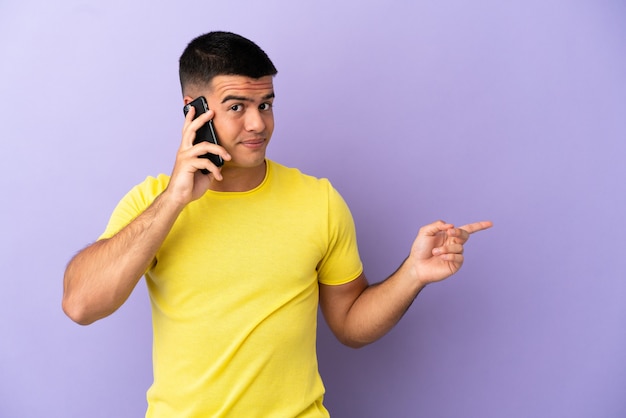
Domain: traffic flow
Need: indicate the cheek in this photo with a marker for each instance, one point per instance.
(269, 124)
(225, 129)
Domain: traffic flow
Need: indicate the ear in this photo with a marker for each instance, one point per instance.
(187, 100)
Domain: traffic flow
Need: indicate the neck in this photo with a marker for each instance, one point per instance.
(239, 179)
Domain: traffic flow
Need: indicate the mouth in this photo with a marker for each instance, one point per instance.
(253, 143)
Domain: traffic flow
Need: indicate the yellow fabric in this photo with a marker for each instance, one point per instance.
(234, 294)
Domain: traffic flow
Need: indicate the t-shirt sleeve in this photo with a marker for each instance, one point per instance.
(138, 199)
(342, 262)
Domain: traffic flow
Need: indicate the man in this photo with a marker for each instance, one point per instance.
(237, 261)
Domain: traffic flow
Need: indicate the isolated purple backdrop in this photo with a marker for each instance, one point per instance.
(509, 111)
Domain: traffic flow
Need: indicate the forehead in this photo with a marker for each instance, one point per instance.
(223, 86)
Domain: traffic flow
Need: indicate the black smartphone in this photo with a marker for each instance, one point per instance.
(206, 132)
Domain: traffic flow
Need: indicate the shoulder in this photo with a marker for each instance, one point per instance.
(157, 184)
(143, 194)
(291, 183)
(134, 202)
(296, 178)
(150, 188)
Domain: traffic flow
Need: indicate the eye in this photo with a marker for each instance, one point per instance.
(236, 108)
(265, 106)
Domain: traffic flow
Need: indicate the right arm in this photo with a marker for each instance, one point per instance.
(100, 278)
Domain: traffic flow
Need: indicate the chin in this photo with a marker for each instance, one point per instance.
(245, 162)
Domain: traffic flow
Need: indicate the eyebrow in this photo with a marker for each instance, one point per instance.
(247, 99)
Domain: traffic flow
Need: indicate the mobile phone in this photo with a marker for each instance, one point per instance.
(206, 132)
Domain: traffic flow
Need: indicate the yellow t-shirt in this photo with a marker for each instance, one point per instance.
(234, 295)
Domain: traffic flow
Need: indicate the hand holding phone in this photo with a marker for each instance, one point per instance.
(206, 132)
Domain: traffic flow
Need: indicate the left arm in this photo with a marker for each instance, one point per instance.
(359, 313)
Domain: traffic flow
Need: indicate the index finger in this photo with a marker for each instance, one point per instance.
(476, 226)
(193, 124)
(202, 118)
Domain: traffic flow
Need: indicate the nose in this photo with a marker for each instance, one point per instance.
(254, 121)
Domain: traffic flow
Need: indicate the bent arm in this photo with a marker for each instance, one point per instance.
(359, 314)
(100, 278)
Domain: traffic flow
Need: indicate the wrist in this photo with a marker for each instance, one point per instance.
(410, 271)
(171, 202)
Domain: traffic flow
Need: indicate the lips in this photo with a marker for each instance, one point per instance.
(253, 142)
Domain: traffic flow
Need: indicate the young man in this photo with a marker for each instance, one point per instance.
(237, 261)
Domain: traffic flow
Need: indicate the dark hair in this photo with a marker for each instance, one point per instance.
(222, 53)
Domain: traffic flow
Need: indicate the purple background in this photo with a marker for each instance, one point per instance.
(509, 111)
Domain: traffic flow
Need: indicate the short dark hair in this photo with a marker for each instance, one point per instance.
(222, 53)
